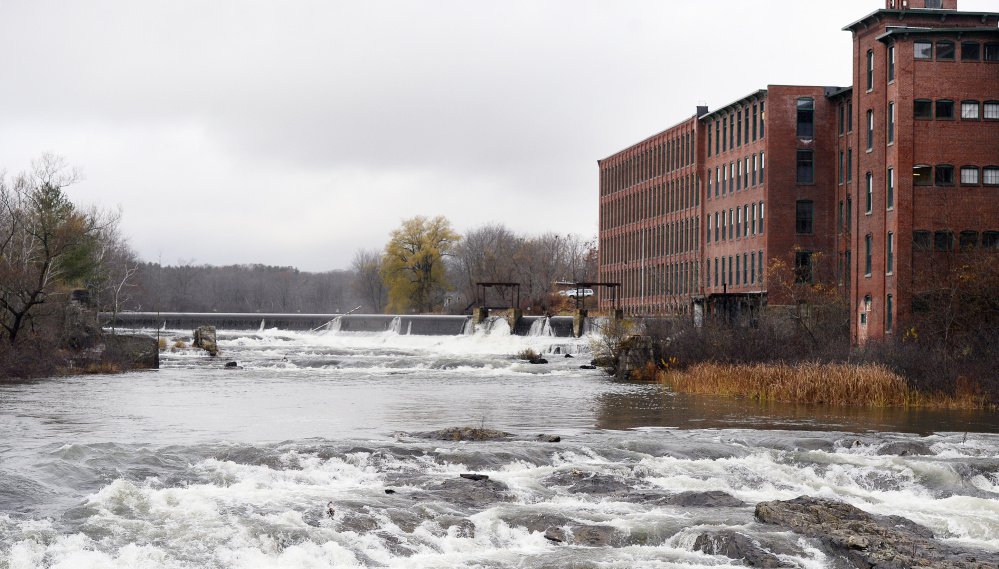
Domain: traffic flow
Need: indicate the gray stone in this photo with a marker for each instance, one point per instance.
(579, 482)
(204, 338)
(905, 448)
(465, 434)
(866, 540)
(735, 545)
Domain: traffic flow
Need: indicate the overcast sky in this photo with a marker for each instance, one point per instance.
(295, 133)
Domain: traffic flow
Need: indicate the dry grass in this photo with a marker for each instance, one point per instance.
(163, 344)
(527, 354)
(835, 384)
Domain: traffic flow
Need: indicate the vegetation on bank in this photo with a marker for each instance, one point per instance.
(868, 384)
(944, 357)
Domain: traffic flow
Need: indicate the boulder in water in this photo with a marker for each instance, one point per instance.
(471, 476)
(204, 338)
(465, 434)
(549, 438)
(905, 448)
(735, 545)
(867, 540)
(538, 361)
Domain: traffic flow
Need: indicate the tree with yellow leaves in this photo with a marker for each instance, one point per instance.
(413, 265)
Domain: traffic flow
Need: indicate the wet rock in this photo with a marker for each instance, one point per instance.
(579, 482)
(569, 356)
(204, 338)
(549, 438)
(592, 536)
(709, 499)
(737, 546)
(905, 448)
(465, 434)
(587, 367)
(538, 361)
(471, 476)
(866, 540)
(231, 365)
(476, 494)
(463, 527)
(389, 491)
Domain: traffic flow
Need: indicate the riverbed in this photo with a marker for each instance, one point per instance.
(197, 465)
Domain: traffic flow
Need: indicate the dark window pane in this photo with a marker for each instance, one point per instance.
(968, 240)
(992, 52)
(921, 240)
(806, 167)
(922, 50)
(945, 109)
(943, 241)
(804, 216)
(945, 50)
(922, 108)
(944, 175)
(803, 266)
(971, 51)
(990, 239)
(806, 117)
(922, 175)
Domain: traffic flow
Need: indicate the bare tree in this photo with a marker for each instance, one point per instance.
(367, 283)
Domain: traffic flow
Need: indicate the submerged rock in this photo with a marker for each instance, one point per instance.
(578, 482)
(592, 536)
(465, 434)
(476, 477)
(866, 540)
(905, 448)
(475, 494)
(549, 438)
(735, 545)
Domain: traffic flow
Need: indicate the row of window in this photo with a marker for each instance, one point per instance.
(889, 311)
(734, 176)
(943, 241)
(657, 280)
(946, 50)
(671, 238)
(667, 156)
(734, 270)
(732, 131)
(737, 223)
(672, 196)
(943, 175)
(944, 109)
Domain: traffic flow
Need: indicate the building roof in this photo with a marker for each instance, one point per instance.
(758, 94)
(832, 92)
(650, 137)
(942, 14)
(893, 31)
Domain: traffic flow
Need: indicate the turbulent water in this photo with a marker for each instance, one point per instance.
(199, 466)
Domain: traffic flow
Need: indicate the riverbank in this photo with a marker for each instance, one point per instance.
(872, 385)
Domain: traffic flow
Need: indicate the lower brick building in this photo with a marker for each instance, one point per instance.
(879, 186)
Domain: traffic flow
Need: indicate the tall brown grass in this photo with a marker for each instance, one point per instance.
(825, 383)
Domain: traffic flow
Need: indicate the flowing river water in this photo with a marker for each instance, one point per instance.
(198, 466)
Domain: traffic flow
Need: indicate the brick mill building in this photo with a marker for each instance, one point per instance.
(875, 186)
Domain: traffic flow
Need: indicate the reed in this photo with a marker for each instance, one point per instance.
(821, 383)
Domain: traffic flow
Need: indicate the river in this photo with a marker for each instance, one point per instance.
(198, 466)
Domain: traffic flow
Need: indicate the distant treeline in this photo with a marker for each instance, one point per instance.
(240, 288)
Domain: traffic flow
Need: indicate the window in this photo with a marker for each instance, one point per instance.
(709, 140)
(921, 240)
(891, 63)
(717, 137)
(867, 308)
(991, 110)
(738, 269)
(945, 109)
(738, 222)
(869, 193)
(990, 175)
(890, 253)
(738, 128)
(969, 110)
(891, 123)
(716, 271)
(971, 51)
(755, 166)
(841, 167)
(922, 109)
(990, 239)
(761, 216)
(763, 117)
(754, 219)
(934, 4)
(745, 228)
(992, 52)
(870, 69)
(944, 175)
(890, 188)
(922, 175)
(868, 251)
(943, 241)
(806, 117)
(842, 118)
(968, 240)
(754, 121)
(945, 50)
(752, 267)
(839, 218)
(763, 159)
(922, 50)
(802, 266)
(804, 217)
(889, 305)
(870, 130)
(806, 167)
(849, 164)
(969, 175)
